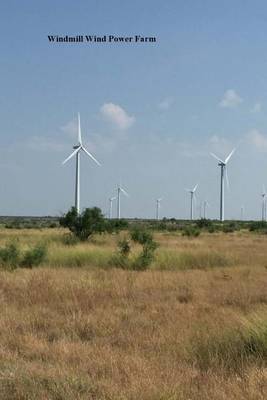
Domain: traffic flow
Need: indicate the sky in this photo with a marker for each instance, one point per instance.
(151, 113)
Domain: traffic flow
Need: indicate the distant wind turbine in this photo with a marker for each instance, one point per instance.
(192, 193)
(242, 212)
(120, 190)
(223, 165)
(206, 204)
(110, 206)
(77, 150)
(158, 208)
(263, 210)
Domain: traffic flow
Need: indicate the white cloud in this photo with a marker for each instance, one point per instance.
(257, 139)
(230, 99)
(256, 108)
(71, 129)
(117, 115)
(165, 104)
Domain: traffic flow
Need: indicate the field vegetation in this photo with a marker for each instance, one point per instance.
(190, 325)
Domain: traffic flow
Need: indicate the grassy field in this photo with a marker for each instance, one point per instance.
(193, 326)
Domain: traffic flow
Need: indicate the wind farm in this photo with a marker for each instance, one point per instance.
(133, 200)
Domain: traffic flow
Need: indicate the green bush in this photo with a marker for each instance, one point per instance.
(144, 259)
(124, 247)
(204, 223)
(34, 256)
(10, 256)
(90, 221)
(141, 236)
(258, 226)
(191, 231)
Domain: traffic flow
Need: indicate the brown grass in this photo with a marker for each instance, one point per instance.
(90, 333)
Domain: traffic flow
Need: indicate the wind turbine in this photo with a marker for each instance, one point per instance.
(77, 150)
(263, 211)
(192, 193)
(110, 206)
(206, 204)
(242, 213)
(223, 165)
(158, 208)
(120, 190)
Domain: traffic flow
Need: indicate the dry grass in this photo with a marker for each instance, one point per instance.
(92, 333)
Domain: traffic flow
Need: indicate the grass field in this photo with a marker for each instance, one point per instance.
(192, 326)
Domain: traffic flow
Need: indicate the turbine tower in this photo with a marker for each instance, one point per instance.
(242, 213)
(192, 193)
(110, 206)
(120, 190)
(206, 204)
(223, 165)
(263, 210)
(77, 150)
(158, 208)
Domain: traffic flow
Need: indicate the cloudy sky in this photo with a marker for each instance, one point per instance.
(150, 112)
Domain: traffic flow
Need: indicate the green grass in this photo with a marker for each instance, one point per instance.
(231, 349)
(183, 260)
(79, 256)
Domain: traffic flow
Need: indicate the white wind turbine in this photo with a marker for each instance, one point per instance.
(120, 190)
(263, 210)
(223, 165)
(110, 206)
(158, 207)
(206, 204)
(242, 213)
(192, 193)
(77, 150)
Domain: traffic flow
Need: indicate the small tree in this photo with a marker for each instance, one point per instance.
(145, 238)
(83, 225)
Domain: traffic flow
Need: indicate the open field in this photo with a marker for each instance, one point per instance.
(193, 326)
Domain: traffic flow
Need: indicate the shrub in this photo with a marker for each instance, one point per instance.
(34, 256)
(83, 225)
(146, 257)
(124, 247)
(141, 236)
(258, 226)
(90, 221)
(191, 231)
(204, 223)
(10, 255)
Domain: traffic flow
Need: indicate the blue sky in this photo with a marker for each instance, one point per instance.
(151, 113)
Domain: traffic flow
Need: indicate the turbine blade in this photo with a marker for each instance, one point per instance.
(195, 188)
(124, 192)
(217, 158)
(79, 130)
(90, 155)
(263, 189)
(230, 155)
(72, 154)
